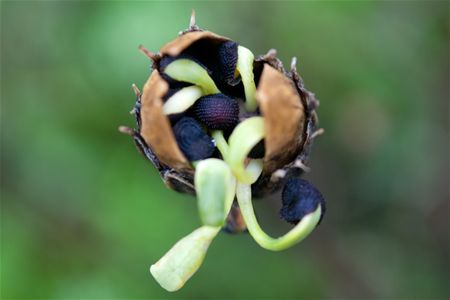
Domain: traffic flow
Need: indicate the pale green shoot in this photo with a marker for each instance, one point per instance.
(295, 235)
(189, 71)
(216, 187)
(221, 143)
(244, 66)
(243, 138)
(182, 100)
(175, 268)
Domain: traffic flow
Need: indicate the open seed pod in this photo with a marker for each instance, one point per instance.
(217, 122)
(287, 107)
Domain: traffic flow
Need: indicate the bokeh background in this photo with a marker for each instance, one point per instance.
(83, 215)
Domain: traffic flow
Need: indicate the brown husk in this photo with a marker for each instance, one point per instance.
(178, 45)
(284, 118)
(155, 127)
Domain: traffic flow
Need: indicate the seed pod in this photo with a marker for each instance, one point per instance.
(287, 107)
(217, 111)
(253, 108)
(300, 198)
(193, 140)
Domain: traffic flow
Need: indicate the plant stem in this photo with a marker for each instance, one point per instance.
(295, 235)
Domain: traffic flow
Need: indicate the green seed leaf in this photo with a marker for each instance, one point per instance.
(245, 67)
(175, 268)
(295, 235)
(215, 186)
(182, 100)
(243, 138)
(189, 71)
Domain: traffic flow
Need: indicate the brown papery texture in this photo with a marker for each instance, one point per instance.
(284, 118)
(155, 128)
(178, 45)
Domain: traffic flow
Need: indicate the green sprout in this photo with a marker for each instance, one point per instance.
(295, 235)
(245, 68)
(218, 181)
(244, 137)
(175, 268)
(189, 71)
(216, 188)
(182, 100)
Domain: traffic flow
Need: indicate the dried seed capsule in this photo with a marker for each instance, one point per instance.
(192, 140)
(217, 111)
(300, 198)
(227, 60)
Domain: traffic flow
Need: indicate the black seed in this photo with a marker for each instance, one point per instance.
(258, 151)
(300, 198)
(192, 140)
(227, 60)
(217, 111)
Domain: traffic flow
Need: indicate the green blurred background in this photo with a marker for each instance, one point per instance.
(83, 215)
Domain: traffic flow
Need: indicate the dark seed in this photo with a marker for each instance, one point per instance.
(258, 151)
(192, 140)
(217, 111)
(227, 59)
(300, 198)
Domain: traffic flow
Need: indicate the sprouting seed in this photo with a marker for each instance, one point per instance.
(207, 91)
(193, 140)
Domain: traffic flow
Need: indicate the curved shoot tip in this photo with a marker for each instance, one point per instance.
(245, 68)
(295, 235)
(175, 268)
(189, 71)
(182, 100)
(242, 140)
(216, 187)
